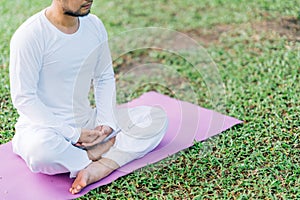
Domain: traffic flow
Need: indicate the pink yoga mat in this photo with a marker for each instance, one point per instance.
(187, 123)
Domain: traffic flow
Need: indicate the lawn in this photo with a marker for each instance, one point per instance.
(255, 47)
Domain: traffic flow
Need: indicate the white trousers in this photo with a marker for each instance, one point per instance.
(45, 151)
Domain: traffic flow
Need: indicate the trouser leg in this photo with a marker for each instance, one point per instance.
(142, 129)
(47, 152)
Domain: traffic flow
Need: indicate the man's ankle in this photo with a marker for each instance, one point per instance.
(109, 163)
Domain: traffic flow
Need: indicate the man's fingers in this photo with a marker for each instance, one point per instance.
(96, 141)
(99, 128)
(93, 137)
(78, 144)
(105, 129)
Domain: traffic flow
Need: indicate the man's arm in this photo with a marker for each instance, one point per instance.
(105, 89)
(26, 56)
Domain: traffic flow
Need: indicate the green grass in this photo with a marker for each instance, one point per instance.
(260, 69)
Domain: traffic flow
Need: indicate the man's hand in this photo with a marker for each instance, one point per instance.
(104, 129)
(90, 138)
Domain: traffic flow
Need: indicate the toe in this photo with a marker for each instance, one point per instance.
(79, 183)
(78, 188)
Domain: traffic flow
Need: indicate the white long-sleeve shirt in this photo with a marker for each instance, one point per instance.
(51, 73)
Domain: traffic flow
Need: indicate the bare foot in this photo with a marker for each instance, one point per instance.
(95, 152)
(93, 173)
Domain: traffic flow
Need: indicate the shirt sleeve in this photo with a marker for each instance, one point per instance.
(26, 57)
(104, 87)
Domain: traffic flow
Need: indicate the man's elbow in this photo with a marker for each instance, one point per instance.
(22, 100)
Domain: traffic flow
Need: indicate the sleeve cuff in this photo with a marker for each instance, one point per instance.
(76, 135)
(70, 133)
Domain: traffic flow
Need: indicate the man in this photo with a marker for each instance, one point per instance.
(54, 56)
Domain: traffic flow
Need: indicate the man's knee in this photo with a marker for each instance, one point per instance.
(43, 152)
(38, 163)
(140, 135)
(143, 122)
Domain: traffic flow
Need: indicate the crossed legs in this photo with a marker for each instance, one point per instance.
(47, 152)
